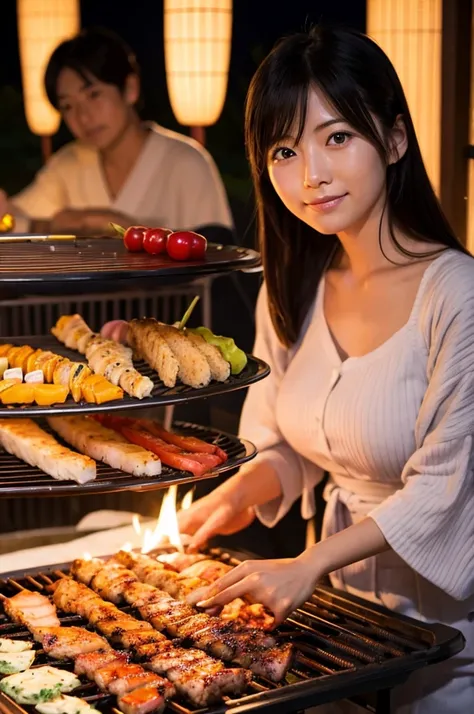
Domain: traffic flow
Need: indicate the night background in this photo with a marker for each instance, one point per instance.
(257, 25)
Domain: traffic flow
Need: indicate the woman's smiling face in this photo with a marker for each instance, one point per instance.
(333, 179)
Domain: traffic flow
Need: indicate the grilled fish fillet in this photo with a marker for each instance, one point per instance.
(102, 444)
(26, 440)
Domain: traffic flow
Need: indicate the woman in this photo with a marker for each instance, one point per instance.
(367, 320)
(118, 169)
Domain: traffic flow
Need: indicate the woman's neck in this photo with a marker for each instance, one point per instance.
(368, 248)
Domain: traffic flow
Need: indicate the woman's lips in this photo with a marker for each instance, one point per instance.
(326, 204)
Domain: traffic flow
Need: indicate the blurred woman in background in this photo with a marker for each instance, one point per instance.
(118, 168)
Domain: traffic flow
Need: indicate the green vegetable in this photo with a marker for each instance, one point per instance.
(230, 352)
(6, 667)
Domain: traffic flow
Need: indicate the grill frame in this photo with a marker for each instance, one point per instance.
(437, 642)
(255, 370)
(33, 266)
(113, 480)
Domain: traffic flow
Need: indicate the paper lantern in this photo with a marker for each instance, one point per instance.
(409, 32)
(197, 36)
(42, 26)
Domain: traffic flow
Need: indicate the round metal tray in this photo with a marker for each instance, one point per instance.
(255, 370)
(103, 263)
(20, 480)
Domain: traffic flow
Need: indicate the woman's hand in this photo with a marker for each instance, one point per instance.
(214, 514)
(281, 585)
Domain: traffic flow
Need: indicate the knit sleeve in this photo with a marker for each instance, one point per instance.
(258, 424)
(430, 521)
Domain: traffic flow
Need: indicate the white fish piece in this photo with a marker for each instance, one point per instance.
(10, 646)
(35, 377)
(102, 444)
(66, 705)
(16, 662)
(26, 440)
(13, 373)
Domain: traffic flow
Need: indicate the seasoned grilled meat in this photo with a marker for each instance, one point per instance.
(68, 642)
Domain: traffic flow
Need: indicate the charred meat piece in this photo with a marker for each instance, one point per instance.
(69, 642)
(142, 701)
(31, 609)
(87, 664)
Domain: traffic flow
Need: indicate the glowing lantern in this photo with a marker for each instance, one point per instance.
(197, 37)
(42, 26)
(409, 32)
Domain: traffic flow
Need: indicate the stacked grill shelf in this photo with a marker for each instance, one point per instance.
(59, 267)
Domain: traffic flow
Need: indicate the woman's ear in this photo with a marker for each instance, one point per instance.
(132, 89)
(398, 140)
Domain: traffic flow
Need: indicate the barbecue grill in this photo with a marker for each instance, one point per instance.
(344, 646)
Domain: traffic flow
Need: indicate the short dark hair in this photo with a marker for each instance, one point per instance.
(359, 81)
(93, 53)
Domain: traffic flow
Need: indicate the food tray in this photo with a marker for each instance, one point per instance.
(86, 263)
(255, 370)
(344, 646)
(20, 480)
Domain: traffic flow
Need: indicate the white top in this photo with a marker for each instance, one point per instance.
(398, 421)
(173, 183)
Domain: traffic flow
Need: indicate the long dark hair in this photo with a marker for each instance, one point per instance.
(93, 53)
(360, 83)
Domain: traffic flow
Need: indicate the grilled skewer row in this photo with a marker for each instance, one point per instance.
(105, 357)
(252, 649)
(196, 676)
(192, 582)
(137, 689)
(76, 376)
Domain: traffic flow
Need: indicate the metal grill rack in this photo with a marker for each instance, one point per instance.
(19, 480)
(255, 370)
(343, 646)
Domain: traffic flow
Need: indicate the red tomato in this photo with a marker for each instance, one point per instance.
(133, 238)
(154, 240)
(186, 245)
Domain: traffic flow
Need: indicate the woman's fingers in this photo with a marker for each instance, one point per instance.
(242, 587)
(234, 577)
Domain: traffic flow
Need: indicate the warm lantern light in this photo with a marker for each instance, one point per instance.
(197, 54)
(409, 32)
(470, 193)
(42, 25)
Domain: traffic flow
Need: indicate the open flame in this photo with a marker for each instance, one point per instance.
(166, 530)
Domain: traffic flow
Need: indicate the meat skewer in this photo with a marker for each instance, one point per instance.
(251, 649)
(105, 357)
(138, 432)
(110, 670)
(198, 677)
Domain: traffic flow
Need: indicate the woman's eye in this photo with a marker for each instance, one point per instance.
(64, 109)
(282, 153)
(94, 93)
(339, 138)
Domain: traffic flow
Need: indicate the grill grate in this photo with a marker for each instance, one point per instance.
(344, 646)
(92, 260)
(18, 479)
(255, 370)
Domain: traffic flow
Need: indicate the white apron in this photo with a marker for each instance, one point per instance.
(444, 688)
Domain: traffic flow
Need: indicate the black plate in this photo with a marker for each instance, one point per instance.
(255, 370)
(91, 264)
(20, 480)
